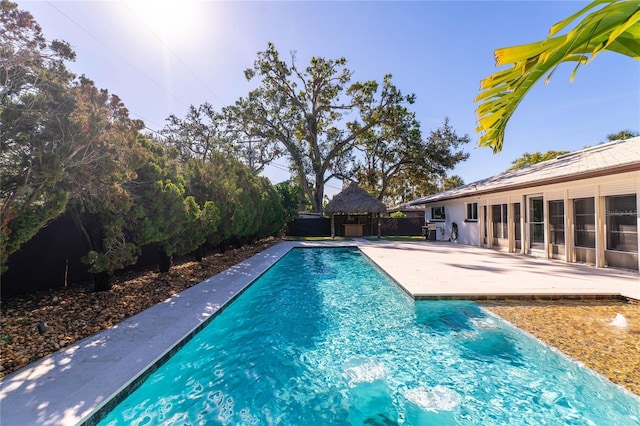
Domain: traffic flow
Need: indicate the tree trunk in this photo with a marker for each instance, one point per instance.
(102, 281)
(199, 253)
(164, 262)
(318, 195)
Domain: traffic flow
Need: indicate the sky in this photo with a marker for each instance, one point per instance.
(161, 56)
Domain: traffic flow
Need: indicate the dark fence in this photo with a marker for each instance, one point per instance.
(321, 227)
(51, 259)
(409, 226)
(314, 227)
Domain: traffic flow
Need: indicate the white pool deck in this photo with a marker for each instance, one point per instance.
(69, 385)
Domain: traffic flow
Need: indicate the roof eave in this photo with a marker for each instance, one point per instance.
(576, 176)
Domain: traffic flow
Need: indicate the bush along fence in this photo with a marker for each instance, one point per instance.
(52, 259)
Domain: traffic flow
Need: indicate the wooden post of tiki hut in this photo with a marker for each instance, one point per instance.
(354, 200)
(333, 227)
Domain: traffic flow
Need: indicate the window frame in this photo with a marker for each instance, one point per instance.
(500, 226)
(557, 223)
(626, 231)
(441, 216)
(585, 228)
(517, 216)
(471, 208)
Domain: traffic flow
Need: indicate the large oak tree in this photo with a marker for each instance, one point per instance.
(315, 114)
(395, 156)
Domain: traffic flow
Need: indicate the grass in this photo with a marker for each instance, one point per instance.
(415, 238)
(291, 238)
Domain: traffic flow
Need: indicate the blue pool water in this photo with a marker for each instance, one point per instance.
(325, 338)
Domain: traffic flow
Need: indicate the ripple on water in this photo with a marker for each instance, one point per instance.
(324, 338)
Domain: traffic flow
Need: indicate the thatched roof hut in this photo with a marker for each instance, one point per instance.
(354, 200)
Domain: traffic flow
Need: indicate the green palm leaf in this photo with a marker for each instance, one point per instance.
(614, 27)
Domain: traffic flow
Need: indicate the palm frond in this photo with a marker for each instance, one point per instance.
(615, 27)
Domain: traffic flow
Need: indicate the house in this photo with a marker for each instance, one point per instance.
(580, 207)
(408, 210)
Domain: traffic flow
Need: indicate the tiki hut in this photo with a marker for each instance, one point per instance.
(358, 206)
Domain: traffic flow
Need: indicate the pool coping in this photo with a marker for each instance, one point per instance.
(67, 387)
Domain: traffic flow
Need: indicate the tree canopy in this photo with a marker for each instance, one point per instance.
(316, 114)
(528, 159)
(68, 147)
(397, 157)
(622, 134)
(612, 25)
(35, 147)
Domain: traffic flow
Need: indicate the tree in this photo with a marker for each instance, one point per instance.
(315, 114)
(206, 182)
(398, 215)
(204, 131)
(451, 182)
(528, 159)
(615, 27)
(35, 147)
(197, 135)
(163, 214)
(291, 198)
(100, 204)
(622, 134)
(388, 151)
(396, 157)
(273, 214)
(246, 206)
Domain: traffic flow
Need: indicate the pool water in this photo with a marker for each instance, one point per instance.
(324, 337)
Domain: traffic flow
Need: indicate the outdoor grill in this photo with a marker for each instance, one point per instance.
(429, 231)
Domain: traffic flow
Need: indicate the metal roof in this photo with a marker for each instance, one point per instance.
(600, 160)
(406, 207)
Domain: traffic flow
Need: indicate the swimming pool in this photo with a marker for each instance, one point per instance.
(323, 337)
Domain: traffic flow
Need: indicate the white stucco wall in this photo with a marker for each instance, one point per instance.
(455, 212)
(469, 232)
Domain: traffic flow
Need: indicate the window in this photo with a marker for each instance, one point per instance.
(472, 211)
(584, 218)
(499, 220)
(437, 213)
(622, 225)
(516, 219)
(556, 222)
(536, 223)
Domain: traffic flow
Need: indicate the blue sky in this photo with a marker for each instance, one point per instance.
(161, 56)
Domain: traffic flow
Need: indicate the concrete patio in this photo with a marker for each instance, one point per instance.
(66, 387)
(448, 270)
